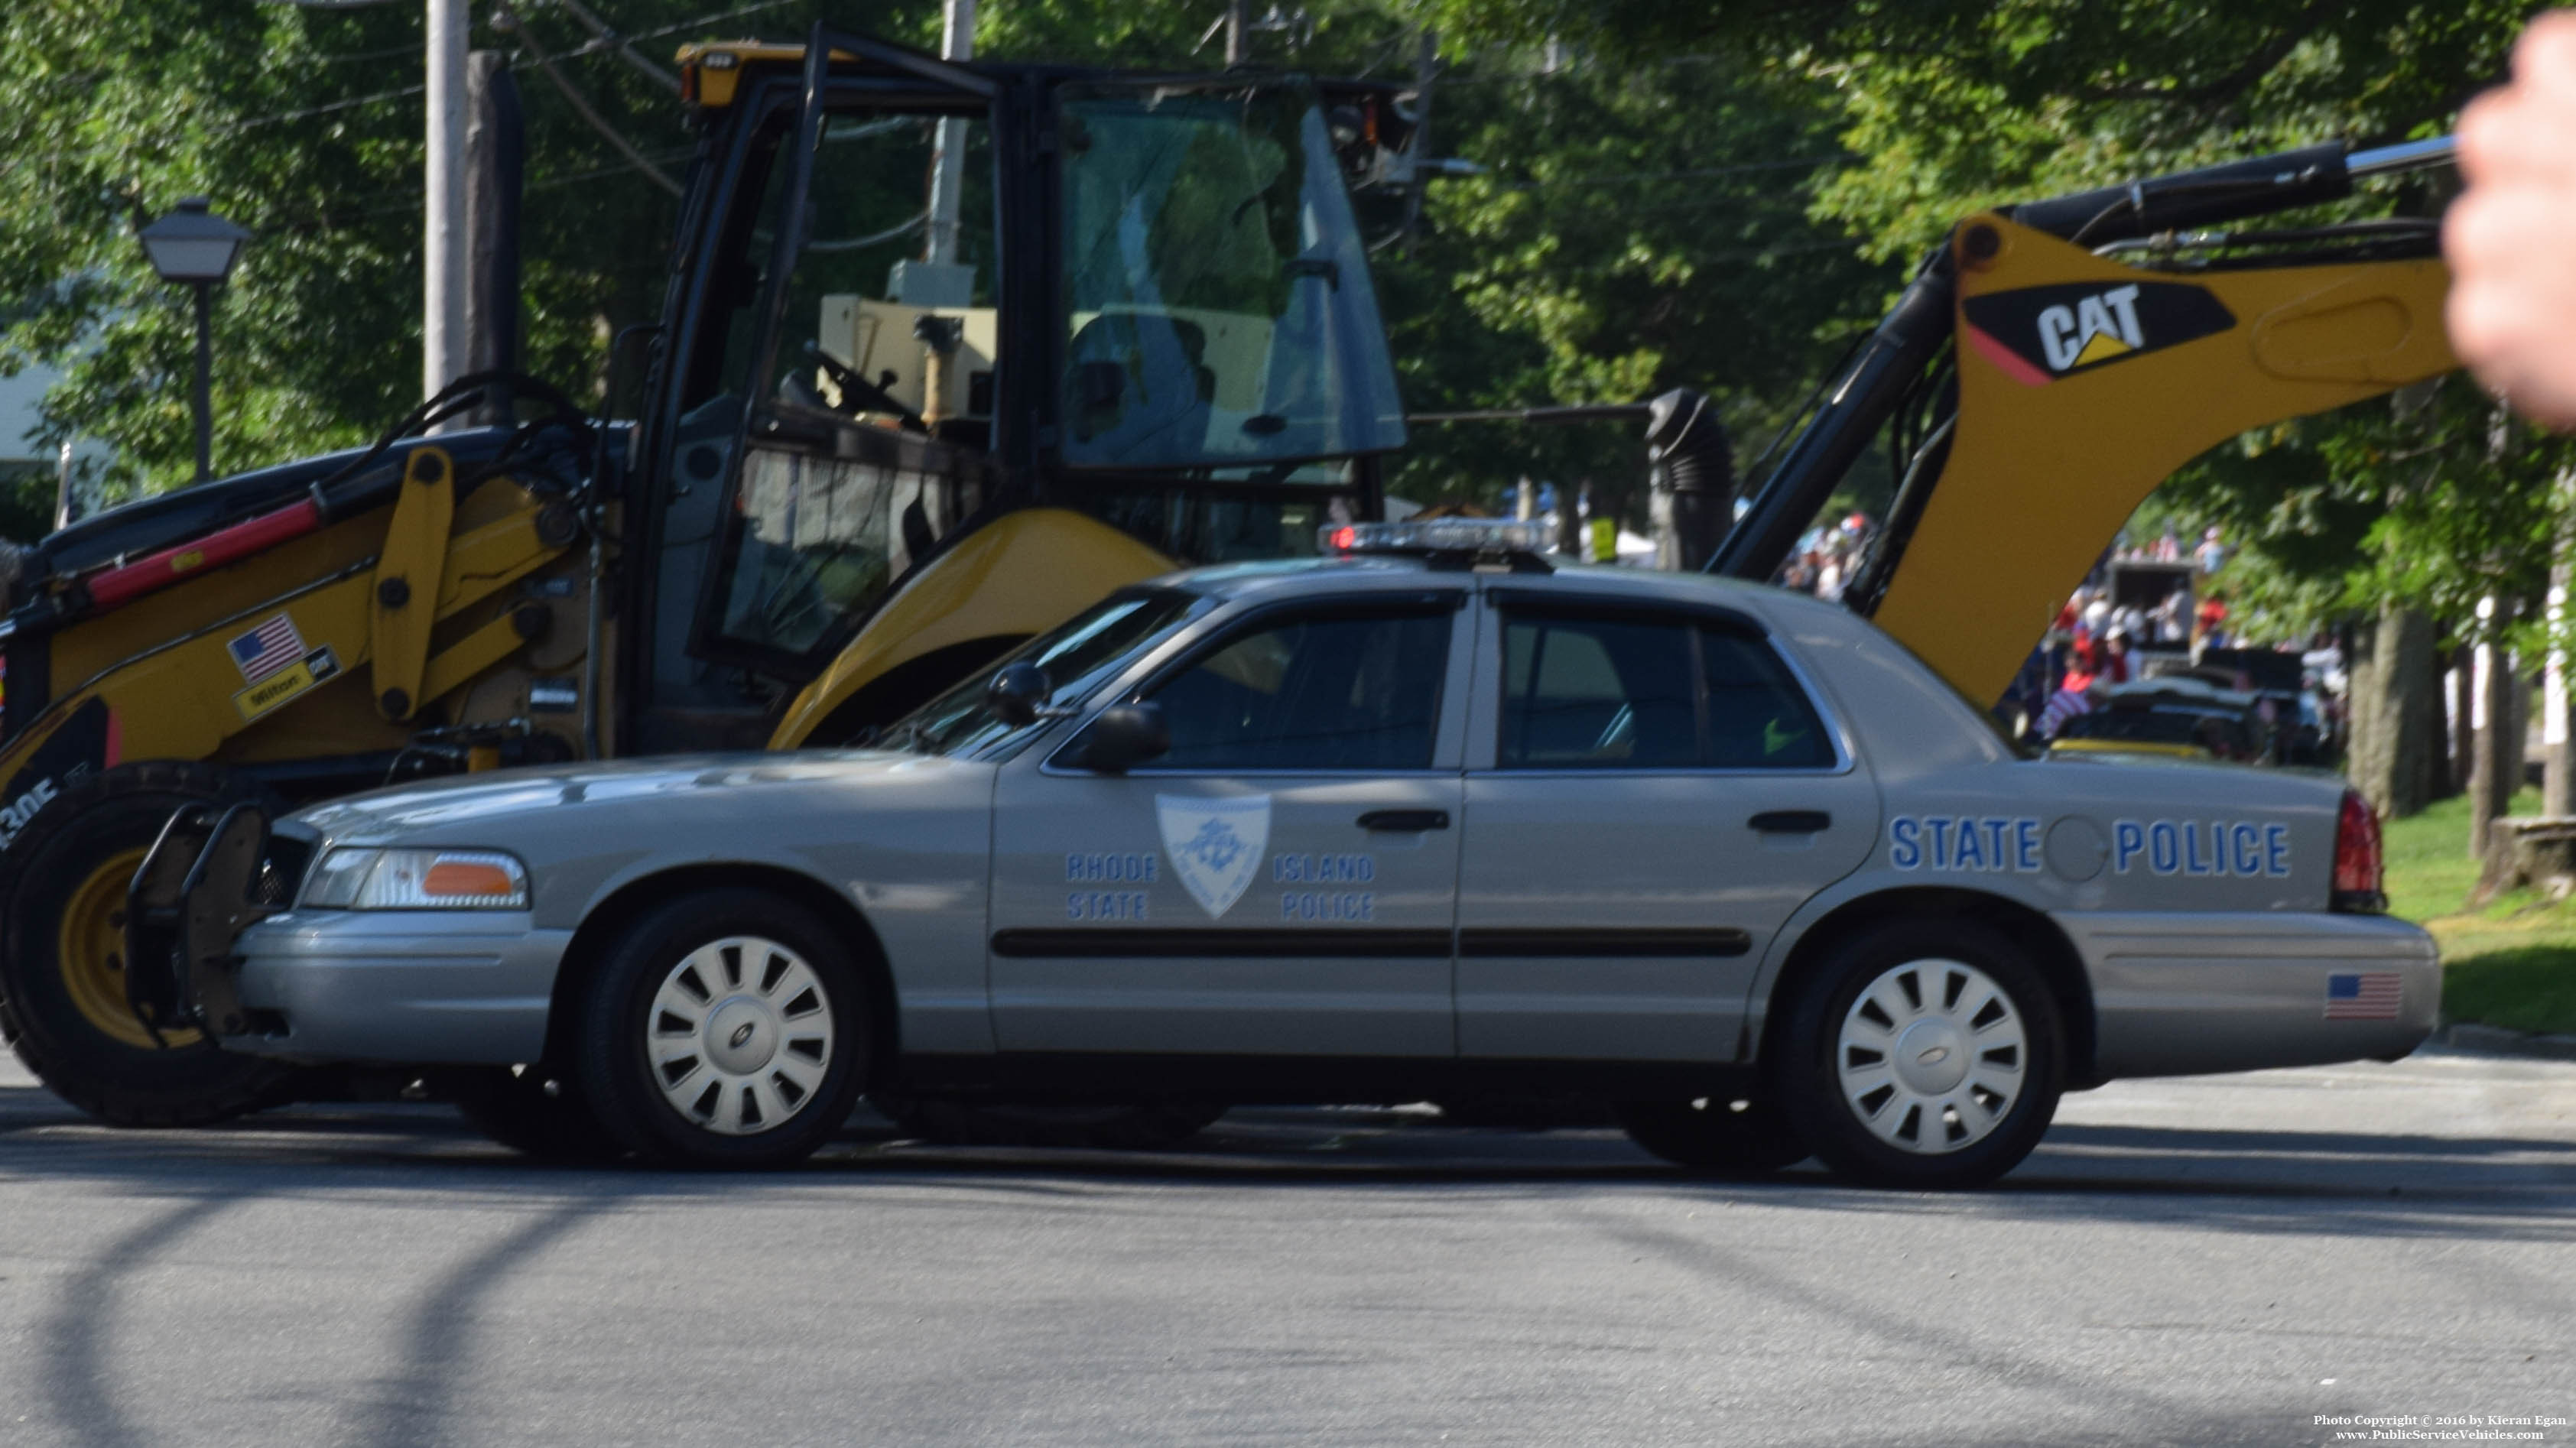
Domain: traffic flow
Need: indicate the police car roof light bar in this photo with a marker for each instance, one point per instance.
(1514, 540)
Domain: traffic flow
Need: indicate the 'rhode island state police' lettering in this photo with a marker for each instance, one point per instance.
(1105, 905)
(1994, 843)
(2200, 847)
(1112, 868)
(1306, 907)
(1323, 869)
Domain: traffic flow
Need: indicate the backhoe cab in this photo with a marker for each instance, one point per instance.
(889, 429)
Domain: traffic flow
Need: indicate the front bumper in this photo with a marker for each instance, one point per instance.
(2184, 994)
(415, 987)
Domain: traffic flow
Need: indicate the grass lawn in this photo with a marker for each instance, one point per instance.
(2510, 962)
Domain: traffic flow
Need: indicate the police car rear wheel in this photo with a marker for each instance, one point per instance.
(1923, 1054)
(723, 1030)
(1721, 1134)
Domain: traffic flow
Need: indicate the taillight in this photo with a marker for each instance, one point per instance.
(2356, 865)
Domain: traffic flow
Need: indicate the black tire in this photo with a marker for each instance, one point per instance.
(536, 1112)
(1154, 1126)
(54, 875)
(825, 1041)
(1723, 1135)
(1978, 1101)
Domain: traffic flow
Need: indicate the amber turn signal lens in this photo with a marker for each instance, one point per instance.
(453, 878)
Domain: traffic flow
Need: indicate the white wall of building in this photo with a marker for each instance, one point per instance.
(19, 397)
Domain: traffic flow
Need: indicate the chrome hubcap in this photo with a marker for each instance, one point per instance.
(741, 1035)
(1932, 1056)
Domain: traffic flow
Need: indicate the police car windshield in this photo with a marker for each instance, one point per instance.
(1076, 657)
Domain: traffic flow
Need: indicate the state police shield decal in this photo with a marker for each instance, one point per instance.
(1215, 845)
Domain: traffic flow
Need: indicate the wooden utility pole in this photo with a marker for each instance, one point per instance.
(1426, 65)
(948, 160)
(494, 149)
(443, 225)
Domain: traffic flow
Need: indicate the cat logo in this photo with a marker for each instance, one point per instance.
(2036, 335)
(2096, 329)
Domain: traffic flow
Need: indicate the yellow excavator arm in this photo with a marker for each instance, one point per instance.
(2083, 383)
(2036, 386)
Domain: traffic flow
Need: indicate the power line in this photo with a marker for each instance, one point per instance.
(1625, 178)
(351, 103)
(572, 96)
(603, 35)
(536, 52)
(586, 51)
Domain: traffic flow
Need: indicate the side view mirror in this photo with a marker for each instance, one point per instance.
(1018, 692)
(1122, 738)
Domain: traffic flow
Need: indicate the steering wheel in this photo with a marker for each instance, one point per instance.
(854, 387)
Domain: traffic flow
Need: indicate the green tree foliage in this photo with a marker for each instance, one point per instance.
(305, 125)
(1633, 230)
(1951, 106)
(1630, 231)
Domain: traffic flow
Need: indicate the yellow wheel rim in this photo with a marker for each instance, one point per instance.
(91, 951)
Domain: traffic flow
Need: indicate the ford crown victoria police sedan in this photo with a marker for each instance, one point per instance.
(1379, 827)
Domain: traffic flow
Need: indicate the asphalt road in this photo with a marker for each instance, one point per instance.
(2198, 1262)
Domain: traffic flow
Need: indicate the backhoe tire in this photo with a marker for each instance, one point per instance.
(62, 991)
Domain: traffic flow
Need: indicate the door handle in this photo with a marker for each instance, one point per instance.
(1791, 821)
(1405, 821)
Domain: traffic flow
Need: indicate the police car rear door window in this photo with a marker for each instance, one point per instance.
(1592, 691)
(1758, 717)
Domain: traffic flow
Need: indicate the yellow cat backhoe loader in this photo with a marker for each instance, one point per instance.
(2050, 363)
(880, 442)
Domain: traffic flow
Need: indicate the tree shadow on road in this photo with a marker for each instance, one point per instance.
(2493, 1187)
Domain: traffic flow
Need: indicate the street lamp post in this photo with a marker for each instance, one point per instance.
(195, 246)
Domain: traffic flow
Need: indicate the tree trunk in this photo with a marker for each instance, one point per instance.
(2499, 753)
(2392, 672)
(2464, 709)
(2557, 777)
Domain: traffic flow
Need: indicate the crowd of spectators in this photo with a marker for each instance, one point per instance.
(2096, 640)
(1827, 558)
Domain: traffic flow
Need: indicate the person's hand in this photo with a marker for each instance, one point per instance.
(2511, 238)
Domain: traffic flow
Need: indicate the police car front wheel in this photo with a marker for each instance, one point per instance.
(724, 1029)
(1922, 1054)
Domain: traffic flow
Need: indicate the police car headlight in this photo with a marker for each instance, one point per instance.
(418, 880)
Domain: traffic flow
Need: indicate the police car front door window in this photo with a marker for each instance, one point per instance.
(1338, 692)
(1078, 656)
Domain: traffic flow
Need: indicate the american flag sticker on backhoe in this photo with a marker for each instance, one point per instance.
(267, 648)
(2369, 995)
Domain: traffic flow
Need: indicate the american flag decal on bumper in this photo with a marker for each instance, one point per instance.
(2369, 995)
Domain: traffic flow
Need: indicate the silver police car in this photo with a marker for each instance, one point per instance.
(1427, 818)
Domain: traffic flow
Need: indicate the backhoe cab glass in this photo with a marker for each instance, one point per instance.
(871, 444)
(1147, 301)
(1218, 297)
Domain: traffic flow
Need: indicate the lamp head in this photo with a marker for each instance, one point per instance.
(193, 244)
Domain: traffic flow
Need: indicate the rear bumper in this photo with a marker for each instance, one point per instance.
(411, 987)
(2185, 994)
